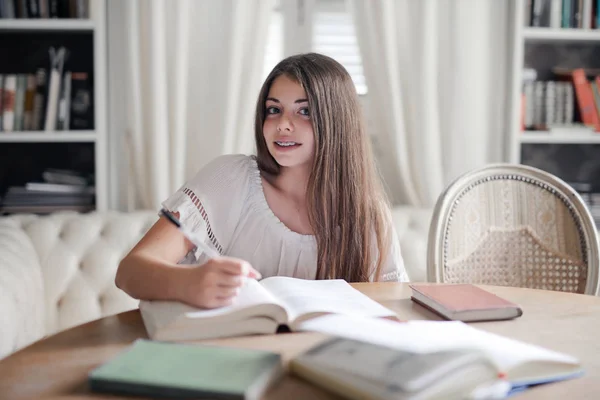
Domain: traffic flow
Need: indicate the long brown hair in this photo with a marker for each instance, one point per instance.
(346, 204)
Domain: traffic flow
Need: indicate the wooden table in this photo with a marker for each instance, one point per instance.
(57, 366)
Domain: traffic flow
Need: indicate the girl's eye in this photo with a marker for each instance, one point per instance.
(272, 110)
(304, 111)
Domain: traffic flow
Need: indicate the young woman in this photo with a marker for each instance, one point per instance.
(308, 205)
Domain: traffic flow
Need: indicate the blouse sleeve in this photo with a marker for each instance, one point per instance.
(393, 268)
(210, 204)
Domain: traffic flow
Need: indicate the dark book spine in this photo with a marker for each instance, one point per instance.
(575, 14)
(82, 102)
(20, 8)
(40, 98)
(53, 9)
(63, 8)
(33, 8)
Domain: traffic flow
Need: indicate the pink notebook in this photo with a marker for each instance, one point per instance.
(464, 302)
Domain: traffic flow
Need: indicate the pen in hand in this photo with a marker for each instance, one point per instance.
(209, 251)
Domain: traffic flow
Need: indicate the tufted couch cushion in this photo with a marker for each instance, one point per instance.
(412, 226)
(57, 271)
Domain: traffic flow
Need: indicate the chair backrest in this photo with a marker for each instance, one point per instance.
(513, 225)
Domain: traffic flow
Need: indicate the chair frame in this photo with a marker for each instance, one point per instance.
(451, 197)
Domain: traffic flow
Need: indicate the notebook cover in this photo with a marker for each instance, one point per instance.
(161, 369)
(452, 300)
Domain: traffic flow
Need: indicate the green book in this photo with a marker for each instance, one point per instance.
(173, 370)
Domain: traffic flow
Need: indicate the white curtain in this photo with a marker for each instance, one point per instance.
(436, 72)
(193, 75)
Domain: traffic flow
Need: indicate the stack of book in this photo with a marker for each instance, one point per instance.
(582, 14)
(52, 99)
(44, 9)
(61, 190)
(571, 101)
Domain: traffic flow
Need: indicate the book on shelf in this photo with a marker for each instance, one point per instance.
(175, 370)
(585, 100)
(66, 176)
(1, 98)
(25, 196)
(20, 103)
(36, 9)
(62, 189)
(58, 188)
(464, 302)
(550, 105)
(520, 364)
(260, 308)
(43, 209)
(57, 61)
(51, 99)
(40, 98)
(580, 14)
(8, 103)
(81, 110)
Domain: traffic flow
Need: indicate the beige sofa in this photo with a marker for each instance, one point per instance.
(57, 271)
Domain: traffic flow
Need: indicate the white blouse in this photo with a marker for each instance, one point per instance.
(225, 204)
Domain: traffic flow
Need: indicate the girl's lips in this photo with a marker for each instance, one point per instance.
(287, 147)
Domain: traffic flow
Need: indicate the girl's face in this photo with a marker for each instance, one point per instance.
(288, 127)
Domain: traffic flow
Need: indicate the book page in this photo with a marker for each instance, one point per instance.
(307, 298)
(427, 336)
(253, 300)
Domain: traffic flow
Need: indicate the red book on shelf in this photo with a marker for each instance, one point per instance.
(464, 302)
(596, 91)
(585, 100)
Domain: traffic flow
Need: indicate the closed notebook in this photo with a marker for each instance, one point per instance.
(173, 370)
(464, 302)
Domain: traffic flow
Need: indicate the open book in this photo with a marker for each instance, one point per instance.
(260, 308)
(361, 370)
(520, 363)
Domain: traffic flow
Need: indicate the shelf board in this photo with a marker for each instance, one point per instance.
(43, 25)
(43, 136)
(563, 34)
(559, 137)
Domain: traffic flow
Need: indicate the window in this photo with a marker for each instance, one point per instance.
(334, 35)
(331, 33)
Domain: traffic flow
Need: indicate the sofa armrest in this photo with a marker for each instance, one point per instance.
(21, 290)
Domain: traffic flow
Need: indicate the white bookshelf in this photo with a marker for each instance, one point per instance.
(48, 137)
(96, 26)
(543, 49)
(559, 137)
(521, 37)
(563, 34)
(41, 25)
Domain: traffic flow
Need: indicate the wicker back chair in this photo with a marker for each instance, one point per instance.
(513, 225)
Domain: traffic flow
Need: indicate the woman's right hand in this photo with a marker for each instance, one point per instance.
(217, 282)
